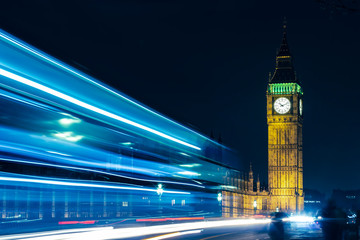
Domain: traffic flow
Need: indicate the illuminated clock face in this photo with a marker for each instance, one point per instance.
(300, 107)
(282, 105)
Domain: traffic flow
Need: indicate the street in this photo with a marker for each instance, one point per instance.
(250, 232)
(201, 230)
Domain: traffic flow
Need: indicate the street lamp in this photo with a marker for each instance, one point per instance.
(255, 205)
(160, 190)
(219, 197)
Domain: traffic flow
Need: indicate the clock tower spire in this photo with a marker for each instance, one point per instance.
(284, 119)
(284, 70)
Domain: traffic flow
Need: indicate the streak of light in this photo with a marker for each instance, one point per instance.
(190, 165)
(216, 236)
(48, 233)
(124, 233)
(97, 171)
(77, 222)
(78, 184)
(228, 186)
(90, 107)
(169, 219)
(170, 235)
(58, 153)
(54, 61)
(86, 163)
(188, 173)
(22, 100)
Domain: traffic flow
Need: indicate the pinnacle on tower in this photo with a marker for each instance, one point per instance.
(284, 47)
(284, 71)
(251, 172)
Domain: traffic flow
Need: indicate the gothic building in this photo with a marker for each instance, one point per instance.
(285, 155)
(284, 119)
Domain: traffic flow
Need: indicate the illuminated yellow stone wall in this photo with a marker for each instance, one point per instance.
(238, 199)
(285, 156)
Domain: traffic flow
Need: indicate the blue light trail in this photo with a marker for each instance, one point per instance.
(74, 150)
(88, 106)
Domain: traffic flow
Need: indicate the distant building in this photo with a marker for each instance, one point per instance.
(347, 200)
(313, 201)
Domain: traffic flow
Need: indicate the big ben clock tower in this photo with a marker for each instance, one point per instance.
(285, 120)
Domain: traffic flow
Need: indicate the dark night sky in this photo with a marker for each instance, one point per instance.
(206, 64)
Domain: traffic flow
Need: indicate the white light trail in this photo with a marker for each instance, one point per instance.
(97, 171)
(176, 234)
(78, 184)
(48, 233)
(90, 107)
(59, 64)
(125, 233)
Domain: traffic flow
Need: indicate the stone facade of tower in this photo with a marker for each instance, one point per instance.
(285, 154)
(285, 121)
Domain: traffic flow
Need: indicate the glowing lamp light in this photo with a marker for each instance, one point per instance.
(219, 197)
(255, 204)
(159, 189)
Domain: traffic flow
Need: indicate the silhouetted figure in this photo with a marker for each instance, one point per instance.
(277, 226)
(333, 223)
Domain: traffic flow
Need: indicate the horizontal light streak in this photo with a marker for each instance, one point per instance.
(90, 107)
(59, 64)
(49, 233)
(78, 184)
(125, 233)
(77, 73)
(169, 219)
(77, 222)
(188, 173)
(106, 173)
(176, 234)
(56, 62)
(21, 100)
